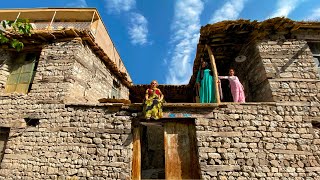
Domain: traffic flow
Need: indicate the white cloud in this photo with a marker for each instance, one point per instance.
(285, 7)
(315, 15)
(78, 3)
(185, 34)
(138, 29)
(118, 6)
(138, 24)
(229, 11)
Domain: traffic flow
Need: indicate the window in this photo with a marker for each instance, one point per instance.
(4, 134)
(115, 92)
(315, 49)
(21, 74)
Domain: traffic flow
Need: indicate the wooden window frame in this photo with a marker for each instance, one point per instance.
(22, 72)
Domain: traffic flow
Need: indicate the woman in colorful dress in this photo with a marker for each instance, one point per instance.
(236, 87)
(153, 102)
(205, 84)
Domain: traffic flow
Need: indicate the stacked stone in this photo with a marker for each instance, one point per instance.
(304, 90)
(254, 79)
(291, 70)
(75, 141)
(264, 141)
(92, 80)
(4, 68)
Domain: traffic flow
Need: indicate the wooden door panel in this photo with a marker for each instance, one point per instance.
(180, 152)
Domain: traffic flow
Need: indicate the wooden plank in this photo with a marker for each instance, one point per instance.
(172, 158)
(180, 151)
(26, 74)
(136, 158)
(215, 73)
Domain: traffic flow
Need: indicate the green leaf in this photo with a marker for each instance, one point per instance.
(3, 39)
(20, 26)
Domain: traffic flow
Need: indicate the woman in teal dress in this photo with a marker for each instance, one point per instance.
(205, 84)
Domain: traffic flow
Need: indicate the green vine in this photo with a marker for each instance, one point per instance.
(11, 28)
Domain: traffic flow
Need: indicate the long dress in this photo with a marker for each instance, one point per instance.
(207, 87)
(236, 88)
(153, 106)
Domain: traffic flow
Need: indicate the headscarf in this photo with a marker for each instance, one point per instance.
(207, 66)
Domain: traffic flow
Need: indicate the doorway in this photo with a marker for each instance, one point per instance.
(166, 149)
(152, 151)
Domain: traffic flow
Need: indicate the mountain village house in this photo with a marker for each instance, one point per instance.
(69, 109)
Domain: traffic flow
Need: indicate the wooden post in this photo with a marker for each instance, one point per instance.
(215, 73)
(17, 17)
(136, 158)
(54, 15)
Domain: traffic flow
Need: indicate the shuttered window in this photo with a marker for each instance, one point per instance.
(21, 74)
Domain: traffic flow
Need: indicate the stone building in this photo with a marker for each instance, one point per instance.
(68, 108)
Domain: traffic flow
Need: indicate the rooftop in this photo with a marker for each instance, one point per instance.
(85, 24)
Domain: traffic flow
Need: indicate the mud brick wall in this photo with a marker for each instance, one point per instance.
(290, 68)
(79, 141)
(271, 141)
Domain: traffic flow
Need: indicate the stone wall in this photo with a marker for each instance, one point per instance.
(247, 141)
(4, 71)
(80, 141)
(271, 141)
(257, 88)
(288, 89)
(69, 72)
(50, 81)
(92, 80)
(291, 70)
(50, 139)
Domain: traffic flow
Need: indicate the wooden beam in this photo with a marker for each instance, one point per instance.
(215, 73)
(136, 158)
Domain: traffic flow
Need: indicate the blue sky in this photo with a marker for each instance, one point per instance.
(158, 39)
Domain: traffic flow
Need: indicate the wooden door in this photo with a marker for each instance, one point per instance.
(181, 160)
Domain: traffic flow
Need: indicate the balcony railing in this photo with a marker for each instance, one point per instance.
(61, 25)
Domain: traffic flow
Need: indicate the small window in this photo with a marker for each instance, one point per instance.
(21, 74)
(316, 124)
(4, 134)
(32, 122)
(115, 92)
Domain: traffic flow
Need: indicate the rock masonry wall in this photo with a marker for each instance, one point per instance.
(70, 141)
(261, 141)
(4, 71)
(291, 70)
(257, 87)
(69, 72)
(92, 80)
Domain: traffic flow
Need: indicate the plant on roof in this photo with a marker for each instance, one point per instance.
(10, 29)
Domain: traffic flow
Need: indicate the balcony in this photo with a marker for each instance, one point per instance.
(80, 19)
